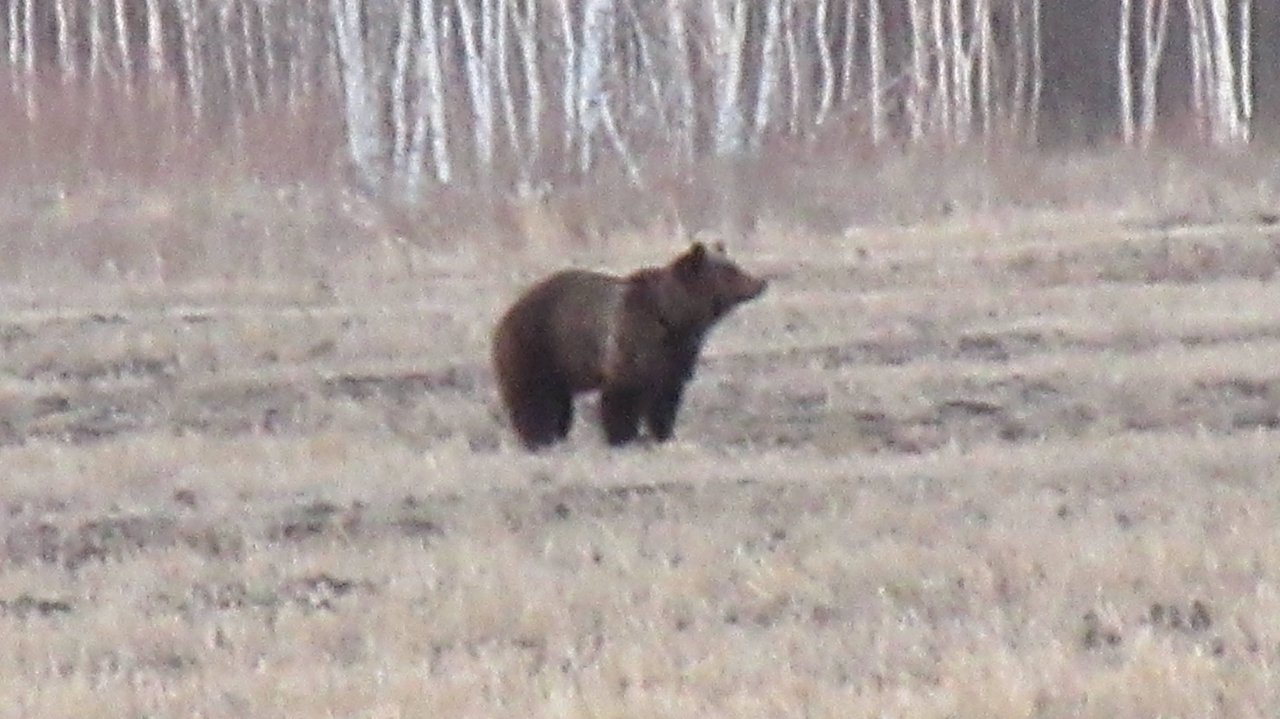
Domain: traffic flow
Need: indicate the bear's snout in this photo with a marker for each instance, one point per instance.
(753, 287)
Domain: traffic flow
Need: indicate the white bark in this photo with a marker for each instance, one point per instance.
(1037, 72)
(795, 81)
(826, 66)
(505, 93)
(270, 56)
(234, 108)
(252, 48)
(916, 99)
(768, 70)
(1124, 70)
(875, 59)
(155, 42)
(1018, 110)
(95, 41)
(1155, 25)
(363, 123)
(479, 79)
(986, 53)
(527, 36)
(1199, 47)
(959, 88)
(66, 59)
(619, 143)
(728, 32)
(849, 51)
(1228, 127)
(431, 121)
(942, 81)
(14, 39)
(1246, 69)
(569, 93)
(124, 46)
(189, 14)
(685, 112)
(29, 56)
(597, 19)
(646, 66)
(400, 139)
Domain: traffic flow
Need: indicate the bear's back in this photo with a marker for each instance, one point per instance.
(570, 318)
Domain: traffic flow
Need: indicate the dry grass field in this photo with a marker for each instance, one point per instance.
(1019, 467)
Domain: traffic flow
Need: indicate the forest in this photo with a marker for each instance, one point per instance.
(521, 94)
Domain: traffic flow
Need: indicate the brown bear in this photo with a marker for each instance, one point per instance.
(634, 338)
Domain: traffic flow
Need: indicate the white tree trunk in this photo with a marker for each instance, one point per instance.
(506, 94)
(1037, 72)
(768, 71)
(942, 77)
(875, 59)
(1155, 20)
(728, 31)
(795, 84)
(189, 14)
(1200, 47)
(233, 89)
(29, 56)
(597, 19)
(1124, 72)
(400, 69)
(155, 43)
(1018, 109)
(124, 47)
(826, 66)
(252, 48)
(1228, 126)
(479, 81)
(648, 67)
(430, 121)
(276, 81)
(569, 92)
(14, 39)
(66, 58)
(849, 52)
(96, 53)
(686, 110)
(1246, 69)
(916, 98)
(363, 121)
(986, 52)
(527, 34)
(959, 88)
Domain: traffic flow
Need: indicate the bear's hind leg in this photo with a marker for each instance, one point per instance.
(620, 409)
(542, 416)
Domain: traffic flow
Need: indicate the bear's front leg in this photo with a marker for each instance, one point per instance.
(620, 409)
(662, 411)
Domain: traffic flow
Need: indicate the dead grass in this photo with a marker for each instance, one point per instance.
(999, 465)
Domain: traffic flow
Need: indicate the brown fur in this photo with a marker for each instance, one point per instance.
(636, 339)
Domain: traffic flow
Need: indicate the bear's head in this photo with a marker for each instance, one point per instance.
(701, 286)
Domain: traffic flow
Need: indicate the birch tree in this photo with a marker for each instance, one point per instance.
(768, 72)
(728, 35)
(430, 121)
(597, 17)
(365, 141)
(876, 63)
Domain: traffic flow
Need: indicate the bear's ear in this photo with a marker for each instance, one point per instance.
(690, 263)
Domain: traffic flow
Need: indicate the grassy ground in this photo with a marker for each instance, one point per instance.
(997, 468)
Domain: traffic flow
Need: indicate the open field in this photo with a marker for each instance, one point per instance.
(1017, 468)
